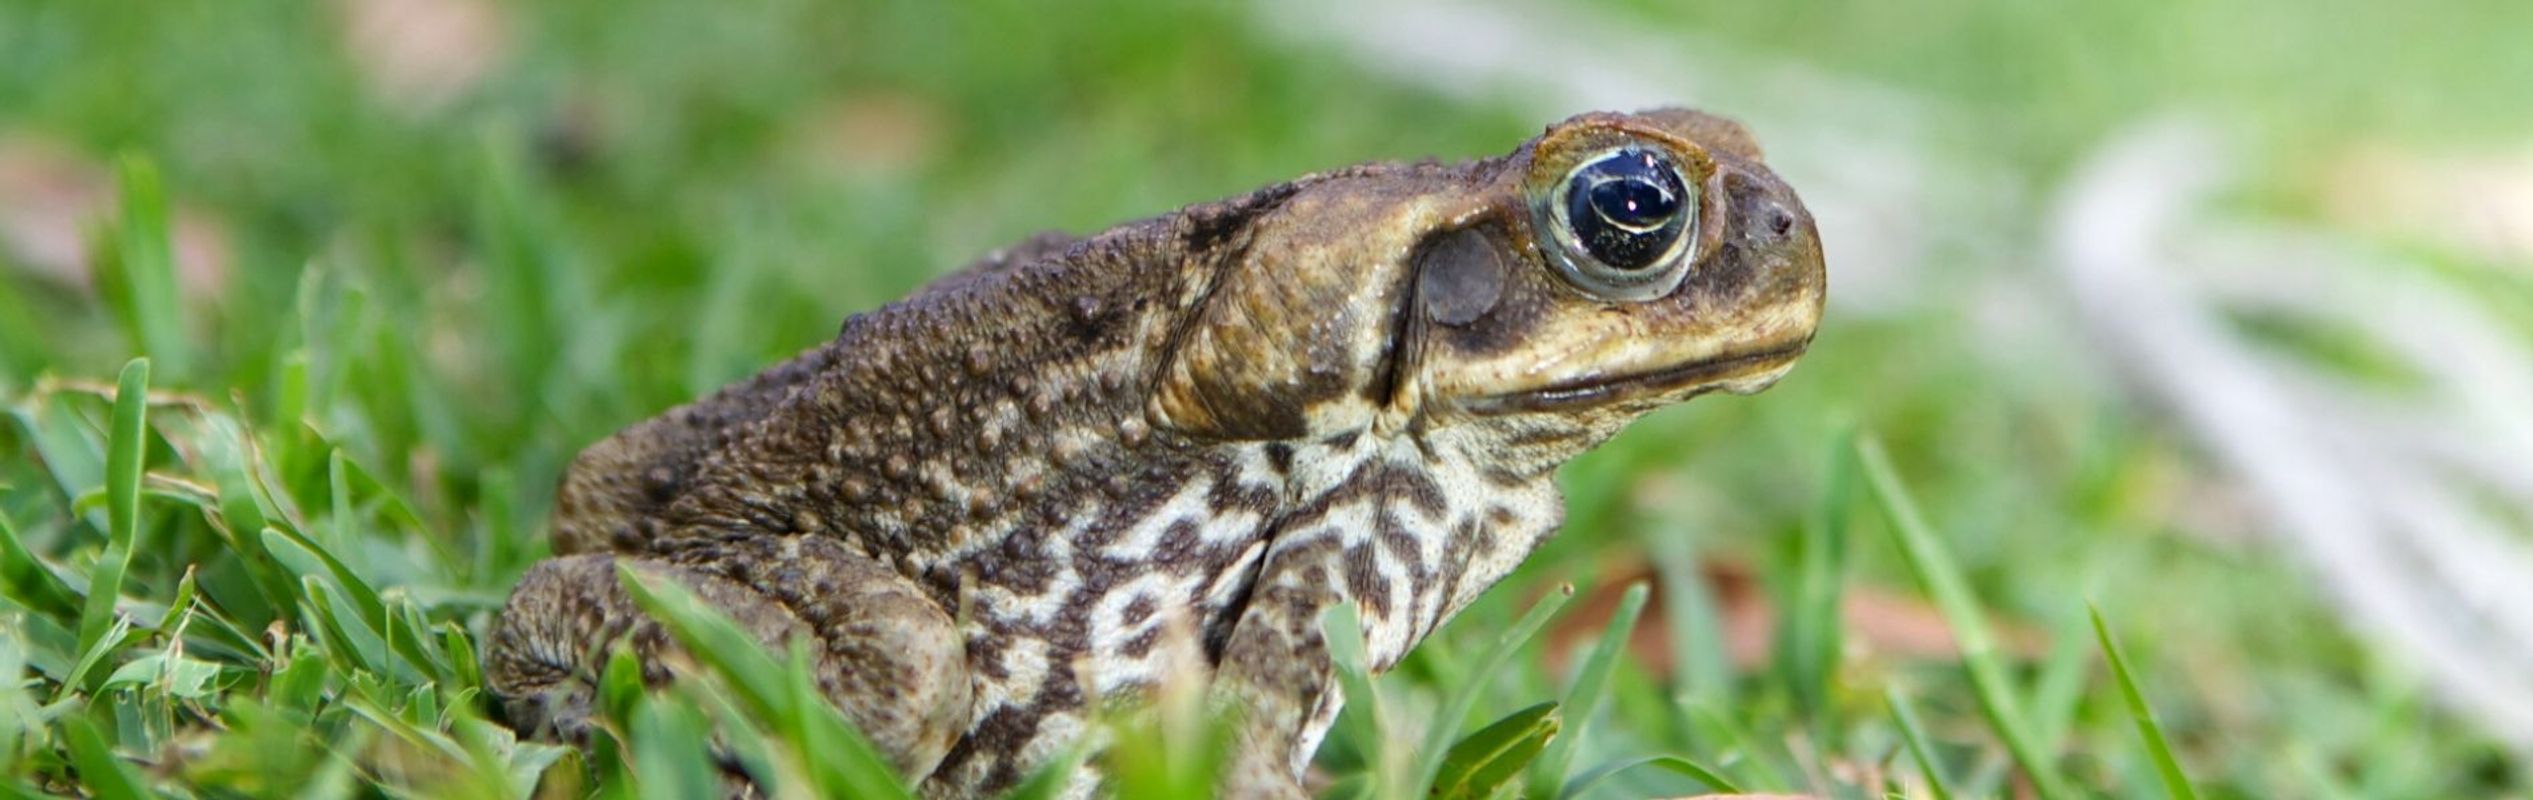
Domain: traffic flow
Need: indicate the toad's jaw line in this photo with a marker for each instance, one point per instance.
(1597, 389)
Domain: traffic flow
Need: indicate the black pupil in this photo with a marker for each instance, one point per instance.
(1625, 208)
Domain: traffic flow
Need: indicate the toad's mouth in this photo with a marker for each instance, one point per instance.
(1756, 368)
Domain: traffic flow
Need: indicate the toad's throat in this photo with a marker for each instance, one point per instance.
(1705, 374)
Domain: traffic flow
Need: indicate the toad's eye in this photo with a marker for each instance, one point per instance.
(1621, 222)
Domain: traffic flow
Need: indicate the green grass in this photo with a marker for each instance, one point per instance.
(2167, 766)
(1998, 697)
(259, 562)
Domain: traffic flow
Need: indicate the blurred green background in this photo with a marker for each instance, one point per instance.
(426, 249)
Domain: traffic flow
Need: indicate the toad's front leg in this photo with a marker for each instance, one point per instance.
(1276, 672)
(1386, 542)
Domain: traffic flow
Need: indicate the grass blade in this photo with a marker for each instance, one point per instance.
(28, 580)
(840, 757)
(672, 750)
(100, 772)
(1944, 583)
(713, 640)
(72, 454)
(1810, 640)
(2176, 783)
(91, 658)
(1484, 761)
(305, 558)
(1438, 739)
(125, 446)
(1049, 780)
(1590, 692)
(2056, 691)
(1691, 769)
(147, 268)
(1696, 621)
(1717, 731)
(1920, 750)
(1341, 626)
(786, 700)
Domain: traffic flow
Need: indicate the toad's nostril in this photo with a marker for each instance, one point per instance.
(1779, 220)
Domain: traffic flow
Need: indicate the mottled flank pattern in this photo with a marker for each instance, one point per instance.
(1061, 475)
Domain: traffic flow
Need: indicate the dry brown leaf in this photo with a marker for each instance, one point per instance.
(418, 55)
(51, 197)
(48, 198)
(1879, 622)
(871, 133)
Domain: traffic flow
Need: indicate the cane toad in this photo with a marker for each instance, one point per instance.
(1028, 485)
